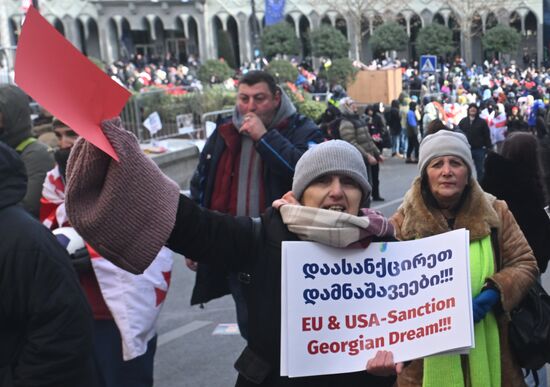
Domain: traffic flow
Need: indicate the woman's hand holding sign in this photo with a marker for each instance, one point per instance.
(382, 364)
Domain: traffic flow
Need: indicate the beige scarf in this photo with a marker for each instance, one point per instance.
(335, 228)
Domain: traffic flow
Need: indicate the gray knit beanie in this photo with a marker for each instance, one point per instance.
(445, 143)
(125, 210)
(334, 157)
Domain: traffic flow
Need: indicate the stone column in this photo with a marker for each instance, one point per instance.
(5, 39)
(105, 46)
(540, 48)
(7, 56)
(243, 27)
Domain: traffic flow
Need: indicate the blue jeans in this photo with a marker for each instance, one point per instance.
(111, 369)
(542, 378)
(403, 142)
(478, 154)
(395, 143)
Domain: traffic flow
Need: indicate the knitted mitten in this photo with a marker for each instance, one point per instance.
(125, 210)
(484, 302)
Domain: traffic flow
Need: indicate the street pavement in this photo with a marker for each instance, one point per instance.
(188, 354)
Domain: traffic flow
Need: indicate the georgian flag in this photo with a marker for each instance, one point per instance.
(497, 124)
(135, 301)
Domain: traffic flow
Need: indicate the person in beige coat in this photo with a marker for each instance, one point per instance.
(446, 196)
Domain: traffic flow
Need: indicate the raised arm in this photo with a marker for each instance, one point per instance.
(212, 237)
(128, 210)
(125, 210)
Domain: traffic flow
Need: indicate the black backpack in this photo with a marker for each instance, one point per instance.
(529, 329)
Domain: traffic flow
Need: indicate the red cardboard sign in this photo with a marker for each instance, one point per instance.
(53, 72)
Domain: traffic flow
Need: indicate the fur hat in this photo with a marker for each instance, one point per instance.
(445, 143)
(331, 157)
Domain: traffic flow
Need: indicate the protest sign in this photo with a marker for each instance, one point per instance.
(184, 123)
(340, 306)
(153, 123)
(53, 72)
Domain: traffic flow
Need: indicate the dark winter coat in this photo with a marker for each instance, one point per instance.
(232, 242)
(545, 162)
(518, 188)
(516, 123)
(45, 321)
(280, 150)
(540, 127)
(477, 132)
(16, 117)
(479, 213)
(376, 125)
(394, 121)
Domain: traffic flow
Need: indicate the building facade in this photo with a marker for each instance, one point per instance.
(115, 29)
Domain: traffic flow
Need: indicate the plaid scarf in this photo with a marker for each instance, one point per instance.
(333, 228)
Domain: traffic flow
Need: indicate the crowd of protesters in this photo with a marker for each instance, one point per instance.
(448, 123)
(505, 97)
(141, 72)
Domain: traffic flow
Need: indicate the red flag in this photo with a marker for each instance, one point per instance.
(53, 72)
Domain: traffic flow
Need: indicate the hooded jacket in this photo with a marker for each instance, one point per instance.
(288, 137)
(15, 128)
(45, 321)
(394, 121)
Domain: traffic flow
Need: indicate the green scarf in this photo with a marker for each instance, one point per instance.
(484, 359)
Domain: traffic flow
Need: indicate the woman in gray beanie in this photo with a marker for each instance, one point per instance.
(110, 204)
(446, 196)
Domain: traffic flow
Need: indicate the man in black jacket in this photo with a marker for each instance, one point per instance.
(45, 321)
(247, 163)
(479, 137)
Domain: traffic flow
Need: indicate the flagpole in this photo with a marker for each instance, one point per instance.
(255, 27)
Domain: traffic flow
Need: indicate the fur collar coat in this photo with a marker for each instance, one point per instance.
(480, 212)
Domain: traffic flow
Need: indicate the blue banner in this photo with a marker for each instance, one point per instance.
(274, 11)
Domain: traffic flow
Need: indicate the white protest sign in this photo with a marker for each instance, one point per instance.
(340, 306)
(184, 123)
(153, 123)
(209, 127)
